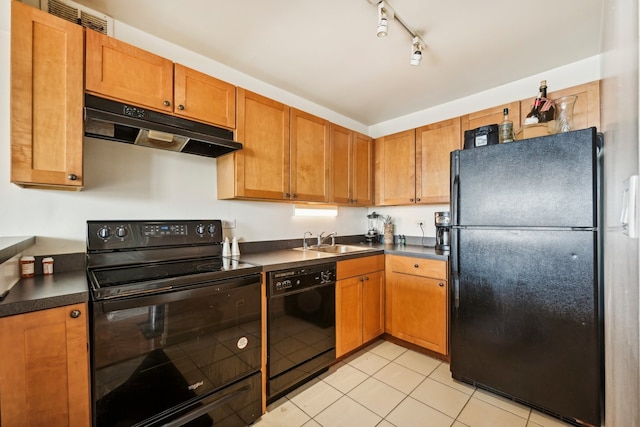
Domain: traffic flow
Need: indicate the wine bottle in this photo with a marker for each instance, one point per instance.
(505, 128)
(534, 115)
(547, 112)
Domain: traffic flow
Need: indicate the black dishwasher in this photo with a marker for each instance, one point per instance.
(301, 333)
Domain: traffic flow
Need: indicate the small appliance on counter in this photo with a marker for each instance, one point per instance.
(372, 232)
(443, 224)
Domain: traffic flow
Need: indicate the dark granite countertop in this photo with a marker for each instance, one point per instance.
(290, 258)
(71, 287)
(11, 246)
(42, 292)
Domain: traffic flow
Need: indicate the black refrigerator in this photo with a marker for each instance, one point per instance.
(526, 295)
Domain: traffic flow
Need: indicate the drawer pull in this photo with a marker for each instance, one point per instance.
(441, 284)
(75, 314)
(416, 265)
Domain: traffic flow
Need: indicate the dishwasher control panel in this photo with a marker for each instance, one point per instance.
(285, 281)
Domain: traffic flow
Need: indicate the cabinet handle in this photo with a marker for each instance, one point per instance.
(411, 200)
(294, 195)
(73, 177)
(416, 265)
(441, 284)
(417, 200)
(287, 195)
(75, 314)
(366, 277)
(180, 107)
(166, 103)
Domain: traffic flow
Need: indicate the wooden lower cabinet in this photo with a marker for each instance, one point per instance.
(44, 368)
(359, 302)
(416, 296)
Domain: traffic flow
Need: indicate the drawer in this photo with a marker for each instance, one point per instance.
(359, 266)
(417, 266)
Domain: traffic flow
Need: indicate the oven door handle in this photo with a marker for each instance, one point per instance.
(190, 416)
(171, 295)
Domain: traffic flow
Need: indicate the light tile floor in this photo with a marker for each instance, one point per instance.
(387, 385)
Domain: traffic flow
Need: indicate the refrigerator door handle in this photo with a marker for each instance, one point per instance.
(455, 273)
(455, 187)
(455, 178)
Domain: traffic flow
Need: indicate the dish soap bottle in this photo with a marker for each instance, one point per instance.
(505, 129)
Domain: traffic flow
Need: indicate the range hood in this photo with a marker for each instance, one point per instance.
(116, 121)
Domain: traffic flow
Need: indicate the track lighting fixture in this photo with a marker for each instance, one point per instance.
(383, 19)
(385, 14)
(416, 51)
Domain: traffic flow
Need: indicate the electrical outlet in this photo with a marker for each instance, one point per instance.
(228, 223)
(420, 223)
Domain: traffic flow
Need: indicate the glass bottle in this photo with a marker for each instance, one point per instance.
(505, 129)
(547, 110)
(534, 115)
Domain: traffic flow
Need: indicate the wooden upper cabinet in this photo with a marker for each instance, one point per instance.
(351, 167)
(44, 368)
(120, 71)
(46, 100)
(362, 155)
(309, 159)
(434, 144)
(490, 116)
(341, 165)
(204, 98)
(586, 112)
(261, 169)
(395, 169)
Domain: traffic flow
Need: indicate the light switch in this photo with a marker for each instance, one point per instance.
(629, 214)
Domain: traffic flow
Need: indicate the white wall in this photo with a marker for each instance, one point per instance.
(620, 110)
(127, 182)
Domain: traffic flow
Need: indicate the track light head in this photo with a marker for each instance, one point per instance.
(383, 27)
(416, 51)
(385, 14)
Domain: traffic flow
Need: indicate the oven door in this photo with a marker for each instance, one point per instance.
(301, 336)
(153, 354)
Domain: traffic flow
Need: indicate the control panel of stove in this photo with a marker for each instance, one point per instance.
(116, 235)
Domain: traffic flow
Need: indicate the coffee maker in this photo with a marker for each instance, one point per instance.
(443, 224)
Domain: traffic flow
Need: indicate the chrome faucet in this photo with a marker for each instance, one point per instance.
(322, 237)
(304, 239)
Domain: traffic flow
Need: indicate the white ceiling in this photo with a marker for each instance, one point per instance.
(327, 51)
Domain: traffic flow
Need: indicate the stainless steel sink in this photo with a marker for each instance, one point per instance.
(337, 249)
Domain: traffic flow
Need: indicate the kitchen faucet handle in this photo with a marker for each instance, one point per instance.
(320, 237)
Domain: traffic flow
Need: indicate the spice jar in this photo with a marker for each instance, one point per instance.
(47, 265)
(27, 267)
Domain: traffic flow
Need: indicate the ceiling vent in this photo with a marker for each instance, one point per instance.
(79, 14)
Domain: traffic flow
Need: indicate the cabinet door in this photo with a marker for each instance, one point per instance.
(362, 175)
(44, 368)
(586, 112)
(341, 165)
(348, 315)
(419, 310)
(46, 99)
(260, 170)
(309, 162)
(372, 305)
(204, 98)
(395, 174)
(434, 144)
(117, 70)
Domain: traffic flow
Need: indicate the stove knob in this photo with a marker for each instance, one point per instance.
(104, 232)
(121, 232)
(211, 229)
(200, 229)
